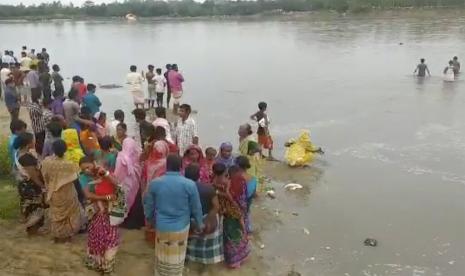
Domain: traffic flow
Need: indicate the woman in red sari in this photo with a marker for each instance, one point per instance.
(194, 155)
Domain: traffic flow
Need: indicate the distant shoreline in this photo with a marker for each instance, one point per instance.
(278, 14)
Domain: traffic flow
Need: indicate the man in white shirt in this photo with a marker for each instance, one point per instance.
(160, 85)
(186, 129)
(6, 58)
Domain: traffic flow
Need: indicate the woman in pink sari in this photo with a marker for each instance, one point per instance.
(194, 155)
(154, 156)
(128, 172)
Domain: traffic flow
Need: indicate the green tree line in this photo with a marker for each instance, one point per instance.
(190, 8)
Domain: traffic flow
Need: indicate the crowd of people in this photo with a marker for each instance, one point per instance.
(78, 171)
(450, 72)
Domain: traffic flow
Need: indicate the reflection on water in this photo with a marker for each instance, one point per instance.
(395, 146)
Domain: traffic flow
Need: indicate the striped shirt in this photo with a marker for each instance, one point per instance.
(37, 118)
(185, 133)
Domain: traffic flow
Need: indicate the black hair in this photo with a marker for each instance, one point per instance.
(23, 53)
(57, 93)
(46, 101)
(119, 115)
(262, 105)
(160, 112)
(451, 62)
(455, 58)
(133, 68)
(55, 129)
(210, 149)
(242, 162)
(174, 66)
(106, 143)
(149, 132)
(17, 125)
(151, 66)
(76, 78)
(23, 140)
(192, 172)
(102, 115)
(422, 60)
(186, 108)
(86, 112)
(72, 94)
(123, 125)
(233, 170)
(139, 114)
(86, 159)
(24, 47)
(91, 87)
(168, 66)
(219, 169)
(173, 163)
(43, 49)
(59, 148)
(160, 133)
(158, 71)
(55, 67)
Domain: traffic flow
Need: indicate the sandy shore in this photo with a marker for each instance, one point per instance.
(22, 255)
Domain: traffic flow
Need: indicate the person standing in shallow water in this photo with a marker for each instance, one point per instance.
(168, 88)
(456, 65)
(175, 81)
(449, 75)
(422, 69)
(150, 75)
(135, 80)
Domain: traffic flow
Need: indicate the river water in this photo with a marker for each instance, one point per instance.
(394, 167)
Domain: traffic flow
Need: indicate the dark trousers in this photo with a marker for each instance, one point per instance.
(160, 99)
(36, 93)
(14, 113)
(40, 138)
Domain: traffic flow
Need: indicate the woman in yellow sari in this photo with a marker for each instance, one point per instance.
(73, 152)
(66, 215)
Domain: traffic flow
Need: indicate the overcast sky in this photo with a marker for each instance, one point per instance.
(30, 2)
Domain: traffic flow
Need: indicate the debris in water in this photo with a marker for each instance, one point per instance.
(271, 194)
(110, 86)
(293, 186)
(370, 242)
(312, 259)
(262, 246)
(276, 212)
(293, 272)
(306, 231)
(295, 214)
(328, 248)
(452, 262)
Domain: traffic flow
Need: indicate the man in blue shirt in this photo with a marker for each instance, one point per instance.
(90, 100)
(11, 99)
(169, 204)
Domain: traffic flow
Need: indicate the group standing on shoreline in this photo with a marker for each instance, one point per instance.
(93, 176)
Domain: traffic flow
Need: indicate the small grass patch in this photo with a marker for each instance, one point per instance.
(9, 200)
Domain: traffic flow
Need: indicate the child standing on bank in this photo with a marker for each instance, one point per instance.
(160, 84)
(263, 131)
